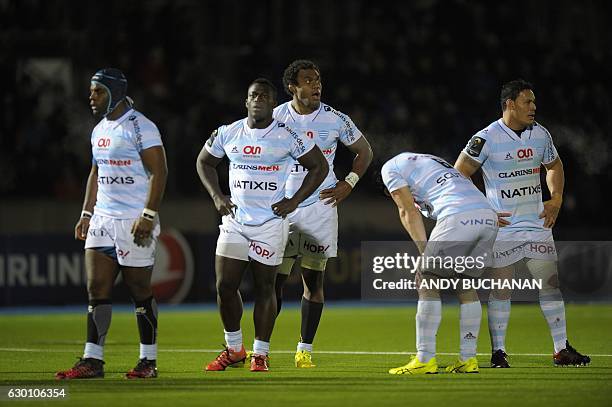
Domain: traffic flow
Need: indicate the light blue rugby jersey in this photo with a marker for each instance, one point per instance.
(511, 170)
(260, 162)
(438, 189)
(326, 126)
(123, 181)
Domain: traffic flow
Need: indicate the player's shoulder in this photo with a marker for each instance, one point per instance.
(231, 129)
(334, 114)
(490, 132)
(139, 123)
(281, 112)
(539, 130)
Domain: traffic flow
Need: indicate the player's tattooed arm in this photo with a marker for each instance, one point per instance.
(363, 157)
(466, 165)
(207, 170)
(316, 164)
(555, 180)
(410, 217)
(91, 191)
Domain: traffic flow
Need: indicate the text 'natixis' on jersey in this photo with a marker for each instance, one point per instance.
(255, 185)
(527, 190)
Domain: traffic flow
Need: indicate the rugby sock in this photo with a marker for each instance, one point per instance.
(304, 346)
(498, 314)
(428, 317)
(553, 308)
(234, 339)
(469, 327)
(99, 315)
(146, 317)
(261, 347)
(311, 315)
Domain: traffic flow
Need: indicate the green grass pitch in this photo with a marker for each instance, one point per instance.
(33, 347)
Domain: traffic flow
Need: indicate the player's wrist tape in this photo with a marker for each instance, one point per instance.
(352, 179)
(86, 214)
(148, 214)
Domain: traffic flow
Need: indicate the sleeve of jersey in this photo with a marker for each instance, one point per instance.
(300, 146)
(550, 152)
(392, 177)
(214, 144)
(478, 148)
(349, 133)
(148, 136)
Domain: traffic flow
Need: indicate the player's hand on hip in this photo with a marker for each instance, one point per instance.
(141, 229)
(284, 207)
(224, 205)
(501, 218)
(550, 212)
(336, 194)
(81, 228)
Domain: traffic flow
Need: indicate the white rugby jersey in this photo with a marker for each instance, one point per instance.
(438, 189)
(123, 181)
(260, 162)
(325, 126)
(511, 170)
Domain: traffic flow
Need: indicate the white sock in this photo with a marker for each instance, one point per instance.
(428, 317)
(469, 327)
(148, 351)
(261, 347)
(304, 346)
(498, 314)
(93, 351)
(554, 312)
(234, 339)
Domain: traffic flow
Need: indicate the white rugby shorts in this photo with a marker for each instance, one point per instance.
(110, 232)
(313, 232)
(513, 245)
(263, 243)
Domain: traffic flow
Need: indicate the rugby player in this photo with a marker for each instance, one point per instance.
(466, 226)
(313, 227)
(254, 229)
(119, 221)
(511, 152)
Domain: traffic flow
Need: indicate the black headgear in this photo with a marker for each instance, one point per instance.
(115, 83)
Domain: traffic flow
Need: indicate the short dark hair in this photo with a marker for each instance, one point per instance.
(291, 72)
(266, 82)
(512, 89)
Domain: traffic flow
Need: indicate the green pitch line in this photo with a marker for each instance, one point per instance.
(354, 349)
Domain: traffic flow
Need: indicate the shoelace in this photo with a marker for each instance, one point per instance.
(224, 357)
(260, 361)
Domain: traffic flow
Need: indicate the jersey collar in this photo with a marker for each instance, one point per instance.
(258, 133)
(310, 117)
(513, 135)
(117, 122)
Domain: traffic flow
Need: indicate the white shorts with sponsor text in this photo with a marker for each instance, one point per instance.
(263, 243)
(513, 245)
(110, 232)
(313, 232)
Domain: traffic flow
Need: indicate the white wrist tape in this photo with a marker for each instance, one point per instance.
(86, 214)
(352, 179)
(148, 214)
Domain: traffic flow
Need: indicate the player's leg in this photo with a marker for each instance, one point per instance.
(289, 257)
(470, 315)
(312, 270)
(498, 315)
(264, 311)
(101, 272)
(553, 309)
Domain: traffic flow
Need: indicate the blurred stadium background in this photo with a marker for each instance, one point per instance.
(421, 75)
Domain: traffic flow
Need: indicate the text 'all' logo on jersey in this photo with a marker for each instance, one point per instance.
(251, 150)
(104, 142)
(524, 154)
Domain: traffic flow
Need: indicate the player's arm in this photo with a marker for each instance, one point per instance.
(91, 192)
(410, 217)
(316, 164)
(363, 157)
(555, 180)
(206, 166)
(154, 160)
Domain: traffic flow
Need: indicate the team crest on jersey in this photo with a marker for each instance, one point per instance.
(475, 146)
(212, 137)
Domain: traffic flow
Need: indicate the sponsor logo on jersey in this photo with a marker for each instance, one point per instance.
(508, 157)
(212, 138)
(523, 191)
(519, 173)
(475, 222)
(103, 142)
(112, 162)
(298, 140)
(251, 150)
(524, 154)
(311, 134)
(475, 146)
(446, 176)
(255, 167)
(115, 180)
(255, 185)
(328, 151)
